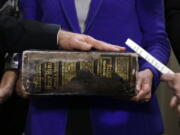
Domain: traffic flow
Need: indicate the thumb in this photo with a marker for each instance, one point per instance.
(167, 77)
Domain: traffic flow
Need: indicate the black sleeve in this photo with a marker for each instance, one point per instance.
(173, 24)
(18, 35)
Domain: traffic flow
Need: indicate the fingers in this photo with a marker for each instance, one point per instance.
(19, 89)
(80, 45)
(103, 46)
(178, 94)
(138, 82)
(143, 85)
(145, 93)
(7, 85)
(176, 85)
(172, 80)
(71, 41)
(173, 102)
(178, 108)
(138, 87)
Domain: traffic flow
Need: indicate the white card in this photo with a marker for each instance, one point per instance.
(148, 57)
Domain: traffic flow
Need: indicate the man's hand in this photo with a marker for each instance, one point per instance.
(173, 81)
(175, 102)
(74, 41)
(7, 85)
(143, 85)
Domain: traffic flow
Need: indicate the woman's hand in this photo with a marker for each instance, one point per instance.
(143, 85)
(173, 81)
(7, 85)
(19, 89)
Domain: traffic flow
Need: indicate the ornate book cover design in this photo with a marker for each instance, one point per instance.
(79, 73)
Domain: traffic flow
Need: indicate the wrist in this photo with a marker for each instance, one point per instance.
(58, 41)
(59, 38)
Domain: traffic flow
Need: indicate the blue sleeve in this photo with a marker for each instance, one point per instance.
(31, 9)
(155, 40)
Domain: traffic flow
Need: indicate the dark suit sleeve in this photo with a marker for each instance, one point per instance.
(18, 35)
(173, 24)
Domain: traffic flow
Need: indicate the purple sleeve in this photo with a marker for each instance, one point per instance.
(155, 40)
(30, 9)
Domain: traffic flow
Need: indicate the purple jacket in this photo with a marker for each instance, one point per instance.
(112, 21)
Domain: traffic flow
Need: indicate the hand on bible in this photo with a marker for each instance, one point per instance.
(173, 81)
(143, 85)
(74, 41)
(7, 85)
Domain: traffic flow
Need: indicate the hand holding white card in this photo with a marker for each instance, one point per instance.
(148, 57)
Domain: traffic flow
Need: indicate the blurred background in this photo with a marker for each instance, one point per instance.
(171, 117)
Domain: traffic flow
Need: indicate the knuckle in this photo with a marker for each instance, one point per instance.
(89, 37)
(91, 40)
(177, 87)
(148, 89)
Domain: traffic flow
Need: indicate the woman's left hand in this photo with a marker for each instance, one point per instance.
(143, 85)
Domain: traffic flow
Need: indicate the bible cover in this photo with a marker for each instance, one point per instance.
(79, 73)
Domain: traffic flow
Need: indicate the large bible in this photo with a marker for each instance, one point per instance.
(79, 73)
